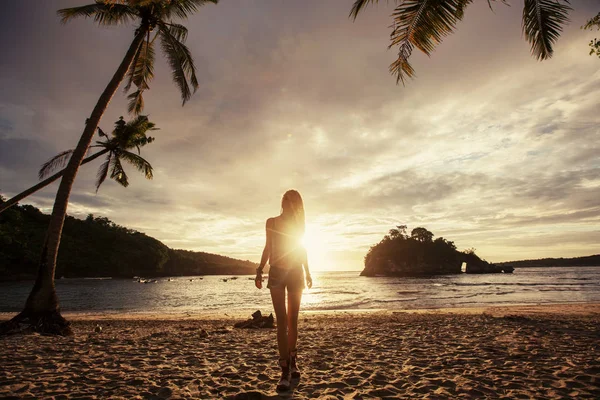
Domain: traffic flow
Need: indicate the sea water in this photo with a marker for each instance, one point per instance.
(330, 291)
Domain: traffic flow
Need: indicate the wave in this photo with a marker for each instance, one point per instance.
(522, 284)
(408, 291)
(340, 306)
(394, 300)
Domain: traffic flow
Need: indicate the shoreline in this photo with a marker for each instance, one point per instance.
(570, 308)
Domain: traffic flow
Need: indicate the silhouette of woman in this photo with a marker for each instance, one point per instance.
(286, 256)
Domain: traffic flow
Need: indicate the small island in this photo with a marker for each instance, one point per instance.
(417, 254)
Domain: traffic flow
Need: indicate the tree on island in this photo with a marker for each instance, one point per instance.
(125, 136)
(424, 23)
(41, 310)
(417, 254)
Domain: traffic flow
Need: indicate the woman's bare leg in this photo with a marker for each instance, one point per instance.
(278, 297)
(294, 299)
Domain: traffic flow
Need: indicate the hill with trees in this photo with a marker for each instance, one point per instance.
(588, 261)
(418, 254)
(97, 247)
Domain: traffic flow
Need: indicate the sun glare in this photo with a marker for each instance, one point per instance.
(315, 242)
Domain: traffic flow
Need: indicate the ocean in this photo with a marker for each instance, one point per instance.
(330, 291)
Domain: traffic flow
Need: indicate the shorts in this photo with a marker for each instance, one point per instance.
(291, 278)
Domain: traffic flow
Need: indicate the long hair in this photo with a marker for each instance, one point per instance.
(292, 207)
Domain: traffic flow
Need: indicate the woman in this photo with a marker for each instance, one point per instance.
(286, 256)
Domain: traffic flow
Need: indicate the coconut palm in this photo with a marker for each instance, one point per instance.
(424, 23)
(125, 136)
(154, 19)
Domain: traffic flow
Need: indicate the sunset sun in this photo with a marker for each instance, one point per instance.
(316, 243)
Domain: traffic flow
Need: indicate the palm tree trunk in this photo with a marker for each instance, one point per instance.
(11, 202)
(41, 311)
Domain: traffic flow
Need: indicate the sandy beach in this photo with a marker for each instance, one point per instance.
(500, 352)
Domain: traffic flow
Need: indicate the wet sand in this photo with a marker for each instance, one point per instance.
(502, 352)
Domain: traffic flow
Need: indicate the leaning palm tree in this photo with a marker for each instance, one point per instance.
(424, 23)
(125, 136)
(154, 20)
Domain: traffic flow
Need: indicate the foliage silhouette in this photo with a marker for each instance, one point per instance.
(594, 43)
(424, 23)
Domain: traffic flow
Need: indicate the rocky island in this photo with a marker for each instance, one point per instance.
(417, 254)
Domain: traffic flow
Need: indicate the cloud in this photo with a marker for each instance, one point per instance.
(487, 147)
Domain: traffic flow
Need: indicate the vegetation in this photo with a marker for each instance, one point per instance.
(424, 23)
(399, 254)
(41, 310)
(125, 136)
(594, 43)
(97, 247)
(588, 261)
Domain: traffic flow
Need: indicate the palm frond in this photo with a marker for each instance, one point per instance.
(422, 24)
(58, 161)
(183, 8)
(131, 70)
(542, 24)
(141, 70)
(505, 2)
(103, 171)
(139, 126)
(592, 22)
(136, 102)
(133, 133)
(102, 12)
(118, 173)
(178, 31)
(138, 162)
(180, 60)
(101, 133)
(359, 5)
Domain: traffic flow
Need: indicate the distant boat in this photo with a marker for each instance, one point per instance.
(225, 280)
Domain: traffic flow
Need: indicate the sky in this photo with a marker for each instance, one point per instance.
(487, 146)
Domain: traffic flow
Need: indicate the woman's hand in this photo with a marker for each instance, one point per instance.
(258, 280)
(308, 281)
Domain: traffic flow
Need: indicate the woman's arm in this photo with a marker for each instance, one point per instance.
(306, 270)
(266, 254)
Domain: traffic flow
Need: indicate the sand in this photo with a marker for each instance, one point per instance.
(510, 352)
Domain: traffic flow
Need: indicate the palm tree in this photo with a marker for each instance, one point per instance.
(424, 23)
(125, 136)
(154, 19)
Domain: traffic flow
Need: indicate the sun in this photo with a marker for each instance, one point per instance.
(316, 244)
